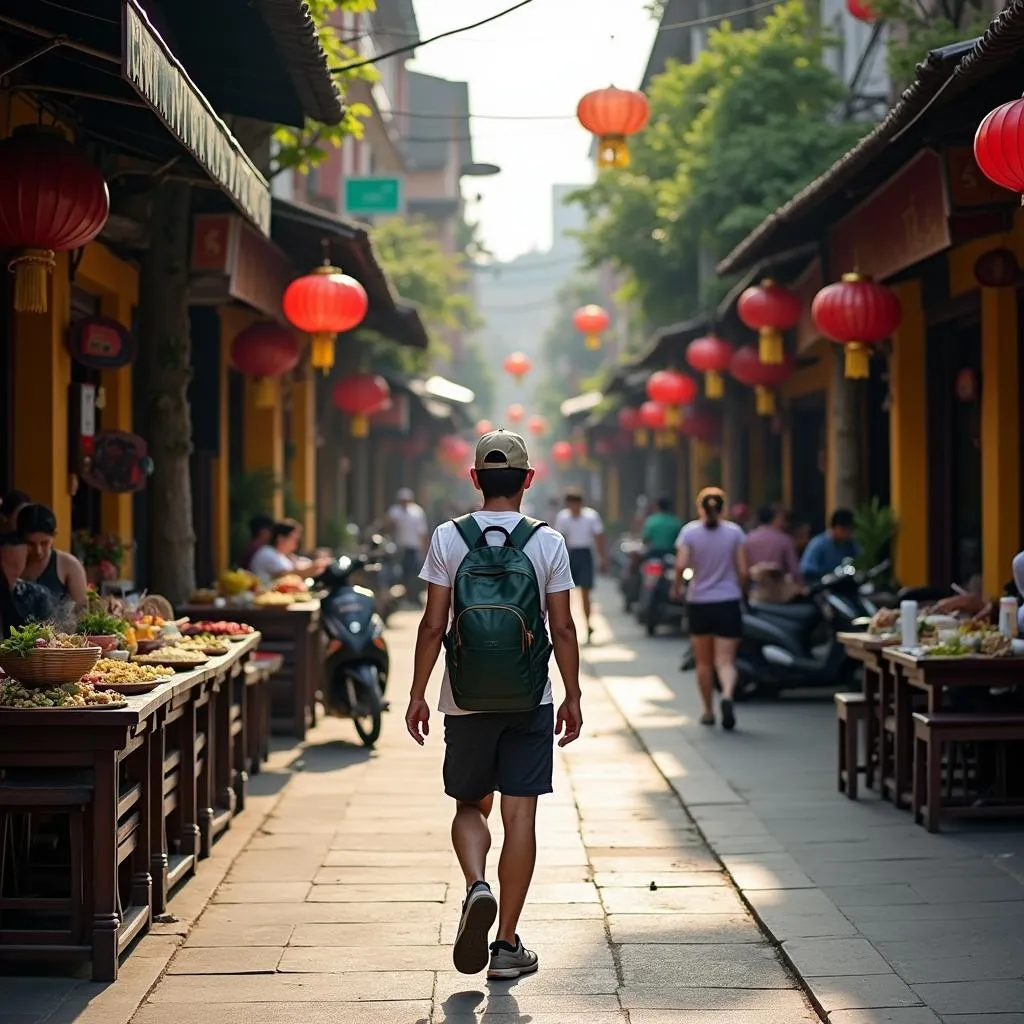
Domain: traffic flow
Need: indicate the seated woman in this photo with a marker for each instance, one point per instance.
(278, 556)
(59, 571)
(20, 601)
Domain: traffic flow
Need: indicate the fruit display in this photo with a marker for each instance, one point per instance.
(290, 584)
(221, 628)
(112, 673)
(70, 695)
(237, 581)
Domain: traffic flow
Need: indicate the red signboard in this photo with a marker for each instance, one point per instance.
(903, 222)
(968, 186)
(211, 242)
(100, 343)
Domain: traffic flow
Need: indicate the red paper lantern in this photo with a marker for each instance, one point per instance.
(856, 312)
(591, 321)
(52, 199)
(540, 470)
(483, 427)
(670, 389)
(561, 452)
(630, 423)
(999, 145)
(747, 368)
(537, 426)
(518, 365)
(861, 11)
(515, 413)
(700, 424)
(453, 450)
(769, 309)
(579, 449)
(711, 356)
(653, 416)
(264, 351)
(324, 303)
(359, 397)
(612, 114)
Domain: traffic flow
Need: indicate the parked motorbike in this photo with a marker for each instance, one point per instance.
(655, 606)
(381, 572)
(356, 664)
(794, 646)
(631, 551)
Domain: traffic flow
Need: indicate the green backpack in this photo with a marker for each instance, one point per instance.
(497, 649)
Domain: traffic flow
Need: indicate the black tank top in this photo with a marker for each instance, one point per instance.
(48, 578)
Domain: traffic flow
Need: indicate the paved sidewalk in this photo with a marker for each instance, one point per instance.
(344, 906)
(885, 922)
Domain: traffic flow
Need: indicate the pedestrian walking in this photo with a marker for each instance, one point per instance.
(714, 549)
(583, 530)
(408, 525)
(495, 581)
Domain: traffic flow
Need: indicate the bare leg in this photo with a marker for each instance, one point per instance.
(518, 856)
(585, 595)
(725, 664)
(472, 838)
(704, 652)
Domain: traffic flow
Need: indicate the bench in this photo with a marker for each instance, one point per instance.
(931, 731)
(851, 713)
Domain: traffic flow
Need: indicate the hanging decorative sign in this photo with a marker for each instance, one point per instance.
(119, 463)
(101, 343)
(997, 268)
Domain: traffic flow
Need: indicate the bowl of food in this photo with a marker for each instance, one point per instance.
(40, 656)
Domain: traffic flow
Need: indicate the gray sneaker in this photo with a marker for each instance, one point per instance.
(511, 962)
(478, 914)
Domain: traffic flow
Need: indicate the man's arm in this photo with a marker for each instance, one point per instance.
(567, 658)
(428, 646)
(809, 563)
(75, 580)
(742, 566)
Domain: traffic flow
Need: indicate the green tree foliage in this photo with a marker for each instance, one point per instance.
(918, 28)
(303, 148)
(731, 137)
(566, 364)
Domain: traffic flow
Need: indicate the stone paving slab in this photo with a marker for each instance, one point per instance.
(913, 1015)
(287, 1013)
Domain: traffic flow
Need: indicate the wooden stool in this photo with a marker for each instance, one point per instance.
(851, 709)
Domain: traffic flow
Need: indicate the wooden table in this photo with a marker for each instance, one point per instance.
(933, 676)
(292, 631)
(876, 685)
(145, 789)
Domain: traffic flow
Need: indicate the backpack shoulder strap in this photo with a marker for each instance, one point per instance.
(469, 530)
(524, 531)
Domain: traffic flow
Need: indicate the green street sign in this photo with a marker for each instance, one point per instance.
(373, 195)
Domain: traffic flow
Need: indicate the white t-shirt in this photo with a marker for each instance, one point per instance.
(579, 531)
(268, 562)
(410, 525)
(545, 549)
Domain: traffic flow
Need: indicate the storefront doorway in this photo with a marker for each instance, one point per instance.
(954, 449)
(808, 448)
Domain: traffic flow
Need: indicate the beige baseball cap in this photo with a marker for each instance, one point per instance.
(505, 443)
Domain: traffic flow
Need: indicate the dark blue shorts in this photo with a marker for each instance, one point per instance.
(581, 565)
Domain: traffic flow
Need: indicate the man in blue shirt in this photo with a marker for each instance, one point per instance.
(828, 549)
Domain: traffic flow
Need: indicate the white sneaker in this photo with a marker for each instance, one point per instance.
(508, 962)
(478, 913)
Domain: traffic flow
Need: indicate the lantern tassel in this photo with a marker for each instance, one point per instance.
(593, 341)
(360, 425)
(612, 152)
(263, 393)
(672, 416)
(31, 269)
(714, 386)
(764, 400)
(769, 349)
(640, 438)
(322, 355)
(857, 363)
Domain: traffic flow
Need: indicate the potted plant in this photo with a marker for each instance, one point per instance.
(102, 629)
(102, 555)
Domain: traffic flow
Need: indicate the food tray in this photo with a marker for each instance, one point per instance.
(88, 707)
(178, 666)
(50, 666)
(133, 689)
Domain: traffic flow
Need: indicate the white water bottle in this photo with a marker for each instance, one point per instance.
(908, 623)
(1008, 616)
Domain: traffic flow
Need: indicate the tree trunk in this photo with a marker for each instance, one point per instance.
(166, 352)
(846, 428)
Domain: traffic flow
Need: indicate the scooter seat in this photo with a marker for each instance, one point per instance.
(802, 614)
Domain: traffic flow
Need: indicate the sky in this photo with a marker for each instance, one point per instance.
(538, 60)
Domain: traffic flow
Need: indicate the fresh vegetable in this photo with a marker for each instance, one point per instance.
(99, 623)
(22, 641)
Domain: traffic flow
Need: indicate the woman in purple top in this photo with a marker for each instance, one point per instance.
(714, 549)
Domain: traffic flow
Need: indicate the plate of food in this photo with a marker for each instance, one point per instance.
(181, 659)
(78, 696)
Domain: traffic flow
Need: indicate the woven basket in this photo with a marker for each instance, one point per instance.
(154, 604)
(50, 666)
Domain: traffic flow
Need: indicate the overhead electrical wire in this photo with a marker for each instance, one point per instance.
(430, 39)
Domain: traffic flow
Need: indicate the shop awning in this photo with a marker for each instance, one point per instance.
(444, 390)
(309, 236)
(580, 404)
(954, 87)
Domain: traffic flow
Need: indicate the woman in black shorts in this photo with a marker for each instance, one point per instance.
(715, 550)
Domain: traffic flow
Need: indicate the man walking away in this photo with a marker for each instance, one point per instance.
(495, 580)
(828, 549)
(408, 525)
(583, 530)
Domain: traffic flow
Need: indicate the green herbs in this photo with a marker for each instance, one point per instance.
(100, 623)
(28, 638)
